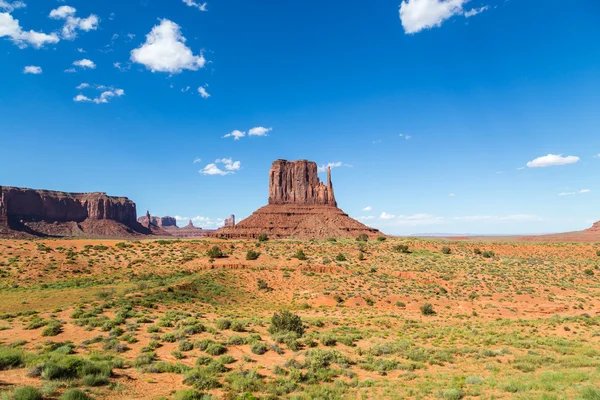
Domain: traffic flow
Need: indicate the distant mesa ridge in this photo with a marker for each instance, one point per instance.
(53, 213)
(167, 226)
(299, 206)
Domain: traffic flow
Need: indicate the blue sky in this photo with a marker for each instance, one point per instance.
(443, 116)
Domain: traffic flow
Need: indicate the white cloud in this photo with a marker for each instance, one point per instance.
(417, 15)
(259, 131)
(368, 208)
(197, 160)
(81, 98)
(199, 6)
(203, 93)
(385, 215)
(4, 5)
(451, 195)
(552, 160)
(582, 191)
(201, 221)
(62, 12)
(213, 168)
(32, 69)
(323, 168)
(235, 134)
(366, 217)
(73, 23)
(83, 86)
(473, 12)
(165, 50)
(80, 50)
(105, 96)
(411, 220)
(85, 63)
(10, 27)
(407, 137)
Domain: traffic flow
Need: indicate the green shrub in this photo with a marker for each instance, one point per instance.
(188, 394)
(300, 255)
(215, 349)
(446, 250)
(223, 324)
(588, 272)
(202, 379)
(262, 285)
(363, 237)
(11, 358)
(95, 380)
(340, 257)
(54, 328)
(400, 304)
(259, 348)
(400, 248)
(185, 345)
(598, 253)
(285, 321)
(327, 339)
(427, 309)
(214, 252)
(477, 251)
(381, 238)
(452, 394)
(252, 255)
(263, 237)
(26, 393)
(75, 394)
(488, 254)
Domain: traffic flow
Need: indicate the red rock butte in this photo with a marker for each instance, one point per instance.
(300, 206)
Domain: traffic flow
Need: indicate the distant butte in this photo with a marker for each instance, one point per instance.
(29, 212)
(300, 206)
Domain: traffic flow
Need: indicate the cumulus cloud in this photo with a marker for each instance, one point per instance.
(165, 50)
(73, 23)
(83, 86)
(385, 215)
(106, 96)
(417, 15)
(32, 69)
(552, 160)
(203, 93)
(201, 221)
(323, 168)
(199, 6)
(366, 217)
(368, 208)
(227, 163)
(235, 134)
(10, 7)
(259, 131)
(10, 27)
(84, 63)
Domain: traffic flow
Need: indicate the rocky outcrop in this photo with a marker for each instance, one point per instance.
(230, 221)
(297, 182)
(161, 222)
(300, 206)
(43, 211)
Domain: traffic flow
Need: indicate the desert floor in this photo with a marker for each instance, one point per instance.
(163, 319)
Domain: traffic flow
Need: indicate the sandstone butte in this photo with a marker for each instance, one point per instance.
(29, 212)
(300, 206)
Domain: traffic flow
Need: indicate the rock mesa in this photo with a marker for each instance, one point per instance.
(299, 206)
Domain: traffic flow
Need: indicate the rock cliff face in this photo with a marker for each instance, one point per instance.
(297, 182)
(43, 212)
(300, 206)
(161, 222)
(230, 221)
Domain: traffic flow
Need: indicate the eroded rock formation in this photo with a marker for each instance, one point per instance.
(46, 212)
(230, 221)
(297, 182)
(300, 206)
(161, 222)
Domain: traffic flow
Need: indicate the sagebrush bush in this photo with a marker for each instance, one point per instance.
(285, 321)
(427, 309)
(252, 255)
(215, 252)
